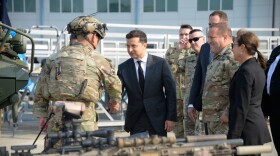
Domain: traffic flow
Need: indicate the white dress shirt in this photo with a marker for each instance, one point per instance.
(143, 65)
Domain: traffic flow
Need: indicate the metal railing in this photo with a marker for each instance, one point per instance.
(114, 47)
(49, 39)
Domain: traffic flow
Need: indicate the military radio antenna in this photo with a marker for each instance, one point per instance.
(93, 14)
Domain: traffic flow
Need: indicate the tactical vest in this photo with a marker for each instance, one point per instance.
(73, 75)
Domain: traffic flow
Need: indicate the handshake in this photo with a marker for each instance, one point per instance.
(113, 106)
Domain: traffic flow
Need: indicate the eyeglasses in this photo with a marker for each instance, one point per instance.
(195, 39)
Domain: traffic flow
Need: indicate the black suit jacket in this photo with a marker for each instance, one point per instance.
(159, 98)
(272, 107)
(246, 119)
(199, 77)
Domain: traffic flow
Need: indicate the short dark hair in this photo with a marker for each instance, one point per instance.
(223, 16)
(186, 26)
(137, 33)
(195, 30)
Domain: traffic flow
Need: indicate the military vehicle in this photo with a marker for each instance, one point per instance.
(14, 73)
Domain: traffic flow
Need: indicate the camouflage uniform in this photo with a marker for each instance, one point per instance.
(176, 60)
(215, 97)
(99, 70)
(190, 127)
(100, 73)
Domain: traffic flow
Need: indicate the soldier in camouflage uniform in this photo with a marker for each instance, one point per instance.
(215, 97)
(196, 39)
(99, 73)
(176, 60)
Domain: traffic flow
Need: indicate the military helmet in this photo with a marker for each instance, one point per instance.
(84, 25)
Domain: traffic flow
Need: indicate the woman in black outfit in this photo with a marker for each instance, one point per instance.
(246, 119)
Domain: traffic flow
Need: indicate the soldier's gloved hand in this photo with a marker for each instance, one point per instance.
(113, 106)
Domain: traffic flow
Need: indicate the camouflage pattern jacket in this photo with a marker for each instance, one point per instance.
(189, 74)
(215, 96)
(100, 74)
(177, 60)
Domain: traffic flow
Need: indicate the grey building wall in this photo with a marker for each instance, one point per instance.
(259, 17)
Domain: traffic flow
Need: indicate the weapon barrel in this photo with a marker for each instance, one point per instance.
(98, 143)
(23, 147)
(90, 142)
(213, 143)
(258, 149)
(135, 142)
(205, 138)
(104, 133)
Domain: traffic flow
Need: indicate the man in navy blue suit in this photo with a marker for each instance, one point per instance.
(150, 87)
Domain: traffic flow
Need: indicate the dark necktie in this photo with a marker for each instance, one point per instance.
(141, 76)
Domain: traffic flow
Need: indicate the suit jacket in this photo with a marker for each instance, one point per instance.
(246, 119)
(272, 108)
(159, 98)
(199, 77)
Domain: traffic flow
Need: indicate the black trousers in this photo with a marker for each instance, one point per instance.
(275, 131)
(143, 124)
(274, 117)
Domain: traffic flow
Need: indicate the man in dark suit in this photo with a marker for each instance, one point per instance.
(150, 87)
(204, 58)
(200, 71)
(271, 96)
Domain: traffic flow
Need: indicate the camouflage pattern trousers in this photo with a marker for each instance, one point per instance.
(185, 126)
(179, 128)
(193, 127)
(212, 123)
(216, 127)
(59, 122)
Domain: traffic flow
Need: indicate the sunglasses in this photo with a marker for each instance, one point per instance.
(195, 39)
